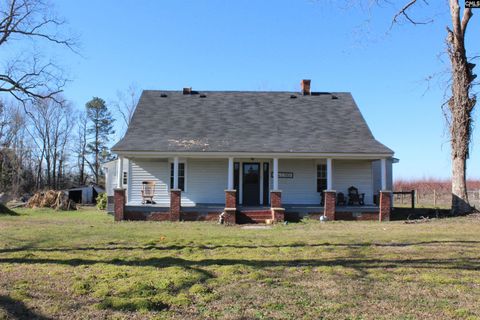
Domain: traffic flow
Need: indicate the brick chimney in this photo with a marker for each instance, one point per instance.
(305, 87)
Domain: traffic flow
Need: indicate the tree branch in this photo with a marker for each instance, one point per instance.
(403, 12)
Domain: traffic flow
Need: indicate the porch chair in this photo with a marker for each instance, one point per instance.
(341, 200)
(148, 191)
(354, 197)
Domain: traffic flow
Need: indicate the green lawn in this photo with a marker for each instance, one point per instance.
(56, 265)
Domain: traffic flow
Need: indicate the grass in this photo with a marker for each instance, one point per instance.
(57, 265)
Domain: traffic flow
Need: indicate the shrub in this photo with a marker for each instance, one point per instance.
(102, 201)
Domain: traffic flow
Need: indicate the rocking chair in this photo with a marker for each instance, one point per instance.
(148, 191)
(354, 197)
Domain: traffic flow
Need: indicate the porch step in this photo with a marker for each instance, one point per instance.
(253, 216)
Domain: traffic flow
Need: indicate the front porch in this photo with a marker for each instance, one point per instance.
(257, 189)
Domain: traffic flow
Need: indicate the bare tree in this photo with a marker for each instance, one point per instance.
(81, 146)
(29, 76)
(126, 103)
(51, 125)
(462, 100)
(461, 105)
(16, 167)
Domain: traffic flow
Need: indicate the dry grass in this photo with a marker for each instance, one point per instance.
(78, 265)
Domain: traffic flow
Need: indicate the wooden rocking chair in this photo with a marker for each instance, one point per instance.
(354, 197)
(148, 191)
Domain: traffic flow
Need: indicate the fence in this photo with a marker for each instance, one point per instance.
(431, 198)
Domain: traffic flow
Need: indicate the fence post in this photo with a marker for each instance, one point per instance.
(434, 198)
(413, 199)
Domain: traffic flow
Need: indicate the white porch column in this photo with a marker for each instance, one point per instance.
(275, 173)
(230, 174)
(383, 173)
(175, 173)
(120, 172)
(329, 174)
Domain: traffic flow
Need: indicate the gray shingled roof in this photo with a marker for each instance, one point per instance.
(257, 122)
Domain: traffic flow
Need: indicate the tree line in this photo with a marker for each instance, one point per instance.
(47, 144)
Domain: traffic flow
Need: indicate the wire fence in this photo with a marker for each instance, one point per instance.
(431, 198)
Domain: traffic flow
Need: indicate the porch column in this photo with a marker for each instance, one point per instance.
(330, 195)
(329, 174)
(330, 204)
(278, 213)
(383, 173)
(385, 205)
(175, 204)
(230, 211)
(230, 174)
(275, 173)
(175, 173)
(120, 172)
(119, 204)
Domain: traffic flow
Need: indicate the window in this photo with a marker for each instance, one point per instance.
(181, 176)
(125, 178)
(321, 177)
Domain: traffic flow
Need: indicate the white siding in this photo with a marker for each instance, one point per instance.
(357, 173)
(110, 169)
(302, 189)
(377, 178)
(206, 181)
(156, 170)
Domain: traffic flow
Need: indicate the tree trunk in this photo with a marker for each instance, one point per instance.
(461, 105)
(459, 189)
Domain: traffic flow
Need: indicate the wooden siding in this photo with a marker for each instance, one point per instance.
(377, 177)
(111, 175)
(357, 173)
(142, 170)
(206, 181)
(302, 189)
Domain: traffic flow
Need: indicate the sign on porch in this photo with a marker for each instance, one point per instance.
(284, 175)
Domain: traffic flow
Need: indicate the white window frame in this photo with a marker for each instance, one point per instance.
(170, 163)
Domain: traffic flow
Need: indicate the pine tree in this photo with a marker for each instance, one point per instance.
(99, 131)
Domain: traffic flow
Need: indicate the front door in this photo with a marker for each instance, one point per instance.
(251, 184)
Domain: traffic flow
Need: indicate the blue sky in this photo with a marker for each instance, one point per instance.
(272, 45)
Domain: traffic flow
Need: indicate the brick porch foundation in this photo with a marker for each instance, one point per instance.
(278, 213)
(330, 203)
(175, 204)
(230, 211)
(119, 204)
(385, 205)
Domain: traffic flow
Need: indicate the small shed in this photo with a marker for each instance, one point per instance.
(85, 194)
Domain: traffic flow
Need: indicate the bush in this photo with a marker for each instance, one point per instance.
(102, 201)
